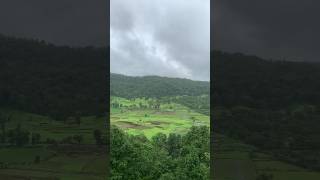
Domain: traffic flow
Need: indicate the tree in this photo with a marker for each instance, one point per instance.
(35, 138)
(136, 157)
(78, 120)
(78, 138)
(37, 159)
(193, 119)
(97, 136)
(174, 145)
(168, 176)
(3, 121)
(18, 136)
(160, 140)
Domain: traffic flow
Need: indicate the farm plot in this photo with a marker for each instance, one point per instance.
(63, 158)
(137, 117)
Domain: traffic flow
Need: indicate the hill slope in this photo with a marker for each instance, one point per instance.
(273, 105)
(39, 77)
(155, 86)
(252, 81)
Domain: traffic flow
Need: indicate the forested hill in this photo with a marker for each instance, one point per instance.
(254, 82)
(273, 105)
(155, 86)
(39, 77)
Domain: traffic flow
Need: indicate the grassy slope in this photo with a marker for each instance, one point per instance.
(64, 165)
(49, 128)
(170, 118)
(237, 161)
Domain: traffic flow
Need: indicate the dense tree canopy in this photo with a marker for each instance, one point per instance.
(39, 77)
(174, 157)
(274, 105)
(155, 86)
(254, 82)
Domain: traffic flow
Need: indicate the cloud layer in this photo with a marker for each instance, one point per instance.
(160, 37)
(62, 22)
(272, 29)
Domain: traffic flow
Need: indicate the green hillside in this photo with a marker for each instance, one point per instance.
(163, 131)
(136, 117)
(58, 81)
(52, 107)
(155, 86)
(234, 160)
(272, 105)
(39, 147)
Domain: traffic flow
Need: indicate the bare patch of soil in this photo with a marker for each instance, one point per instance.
(127, 124)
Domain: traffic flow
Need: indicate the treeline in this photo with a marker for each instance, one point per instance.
(271, 84)
(173, 157)
(59, 81)
(155, 86)
(200, 104)
(274, 105)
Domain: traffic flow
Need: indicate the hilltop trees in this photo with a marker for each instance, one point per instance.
(155, 87)
(241, 80)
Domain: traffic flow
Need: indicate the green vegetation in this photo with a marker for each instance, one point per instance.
(160, 128)
(158, 139)
(234, 160)
(39, 147)
(172, 157)
(273, 106)
(56, 81)
(155, 87)
(145, 116)
(52, 111)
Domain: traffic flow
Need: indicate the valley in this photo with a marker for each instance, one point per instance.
(158, 128)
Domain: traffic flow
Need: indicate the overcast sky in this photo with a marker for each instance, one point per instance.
(160, 37)
(280, 29)
(62, 22)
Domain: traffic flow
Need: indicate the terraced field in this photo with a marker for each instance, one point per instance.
(136, 117)
(236, 161)
(49, 128)
(63, 161)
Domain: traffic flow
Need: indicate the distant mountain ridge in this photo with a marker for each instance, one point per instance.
(155, 86)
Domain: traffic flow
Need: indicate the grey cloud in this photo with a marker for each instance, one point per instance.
(63, 22)
(161, 37)
(272, 29)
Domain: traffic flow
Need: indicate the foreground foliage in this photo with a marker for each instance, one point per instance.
(176, 157)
